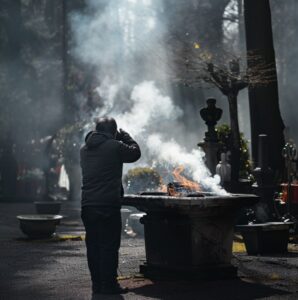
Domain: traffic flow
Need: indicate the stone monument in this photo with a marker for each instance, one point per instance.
(211, 115)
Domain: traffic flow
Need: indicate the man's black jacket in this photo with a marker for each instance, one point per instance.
(102, 159)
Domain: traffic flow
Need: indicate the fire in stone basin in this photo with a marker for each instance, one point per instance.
(181, 186)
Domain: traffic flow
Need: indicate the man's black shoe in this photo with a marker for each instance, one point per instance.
(114, 290)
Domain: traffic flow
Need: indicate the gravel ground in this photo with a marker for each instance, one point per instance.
(57, 268)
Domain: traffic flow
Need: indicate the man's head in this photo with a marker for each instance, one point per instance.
(106, 125)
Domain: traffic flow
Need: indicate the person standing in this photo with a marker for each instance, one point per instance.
(101, 158)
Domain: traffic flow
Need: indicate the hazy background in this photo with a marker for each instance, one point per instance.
(64, 62)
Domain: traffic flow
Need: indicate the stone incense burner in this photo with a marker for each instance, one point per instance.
(189, 237)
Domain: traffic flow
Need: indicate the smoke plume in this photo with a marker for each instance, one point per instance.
(123, 40)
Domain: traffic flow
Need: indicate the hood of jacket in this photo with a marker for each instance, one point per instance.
(95, 138)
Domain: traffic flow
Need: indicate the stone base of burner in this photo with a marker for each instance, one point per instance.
(217, 272)
(188, 241)
(189, 237)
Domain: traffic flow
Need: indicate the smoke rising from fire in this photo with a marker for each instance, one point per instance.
(193, 162)
(120, 39)
(148, 107)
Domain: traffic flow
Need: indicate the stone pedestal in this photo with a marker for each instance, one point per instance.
(211, 150)
(211, 115)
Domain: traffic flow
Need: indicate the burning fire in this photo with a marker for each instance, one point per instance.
(163, 188)
(181, 184)
(186, 183)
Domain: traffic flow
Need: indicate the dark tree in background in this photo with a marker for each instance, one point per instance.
(30, 85)
(197, 21)
(285, 31)
(187, 23)
(30, 79)
(264, 104)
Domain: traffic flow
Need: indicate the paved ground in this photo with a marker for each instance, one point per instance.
(57, 269)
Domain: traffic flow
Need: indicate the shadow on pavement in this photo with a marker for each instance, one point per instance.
(229, 289)
(25, 272)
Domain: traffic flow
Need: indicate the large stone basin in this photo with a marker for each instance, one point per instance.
(189, 237)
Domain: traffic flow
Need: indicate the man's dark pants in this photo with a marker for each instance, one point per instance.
(103, 235)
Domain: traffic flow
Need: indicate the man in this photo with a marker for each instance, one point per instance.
(102, 159)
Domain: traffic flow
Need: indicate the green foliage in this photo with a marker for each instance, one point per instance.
(142, 179)
(225, 140)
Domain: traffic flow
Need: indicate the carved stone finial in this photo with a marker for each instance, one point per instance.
(211, 115)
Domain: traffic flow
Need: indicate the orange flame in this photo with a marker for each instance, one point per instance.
(163, 188)
(186, 183)
(183, 181)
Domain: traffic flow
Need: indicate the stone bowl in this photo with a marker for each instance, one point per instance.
(48, 207)
(39, 226)
(265, 238)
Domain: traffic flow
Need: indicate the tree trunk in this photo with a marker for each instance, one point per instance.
(263, 100)
(235, 136)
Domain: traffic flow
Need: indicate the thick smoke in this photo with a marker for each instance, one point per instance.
(193, 162)
(148, 107)
(123, 39)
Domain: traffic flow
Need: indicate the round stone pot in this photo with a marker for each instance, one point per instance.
(48, 207)
(265, 238)
(39, 226)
